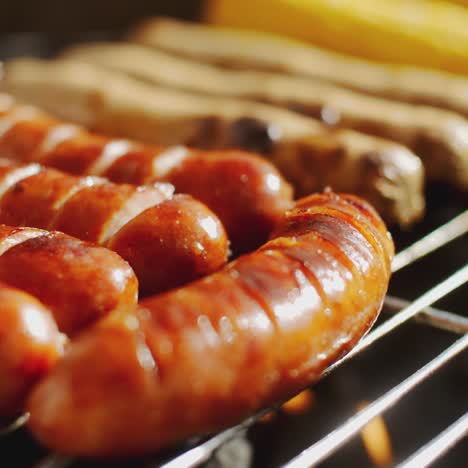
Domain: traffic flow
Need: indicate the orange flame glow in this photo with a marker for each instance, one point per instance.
(300, 403)
(376, 440)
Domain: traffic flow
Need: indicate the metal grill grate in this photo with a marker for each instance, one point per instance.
(402, 311)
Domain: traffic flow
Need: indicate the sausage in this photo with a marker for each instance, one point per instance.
(243, 50)
(206, 355)
(439, 137)
(174, 243)
(245, 191)
(95, 210)
(30, 345)
(309, 154)
(79, 282)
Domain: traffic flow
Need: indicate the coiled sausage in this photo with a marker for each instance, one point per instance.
(206, 355)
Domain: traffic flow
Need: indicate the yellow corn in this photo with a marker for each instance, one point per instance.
(460, 2)
(430, 34)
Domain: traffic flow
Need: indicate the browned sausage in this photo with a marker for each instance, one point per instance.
(438, 137)
(78, 281)
(171, 244)
(30, 345)
(245, 191)
(310, 155)
(206, 355)
(95, 210)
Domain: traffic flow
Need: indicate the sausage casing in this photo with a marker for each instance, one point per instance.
(30, 345)
(206, 355)
(245, 191)
(438, 137)
(78, 281)
(171, 243)
(95, 210)
(308, 153)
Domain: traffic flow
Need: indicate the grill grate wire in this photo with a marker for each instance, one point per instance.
(401, 311)
(439, 445)
(335, 439)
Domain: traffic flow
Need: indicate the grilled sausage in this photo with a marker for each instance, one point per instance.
(122, 217)
(241, 49)
(204, 356)
(30, 345)
(244, 190)
(309, 154)
(439, 137)
(79, 282)
(175, 242)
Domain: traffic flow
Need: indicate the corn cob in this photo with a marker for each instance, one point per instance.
(431, 34)
(459, 2)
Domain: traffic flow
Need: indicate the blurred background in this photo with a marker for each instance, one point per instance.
(64, 17)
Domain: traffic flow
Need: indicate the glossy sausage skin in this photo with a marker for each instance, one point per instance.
(30, 345)
(247, 192)
(123, 217)
(173, 243)
(78, 281)
(206, 355)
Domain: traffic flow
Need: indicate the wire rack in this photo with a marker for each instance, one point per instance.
(401, 311)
